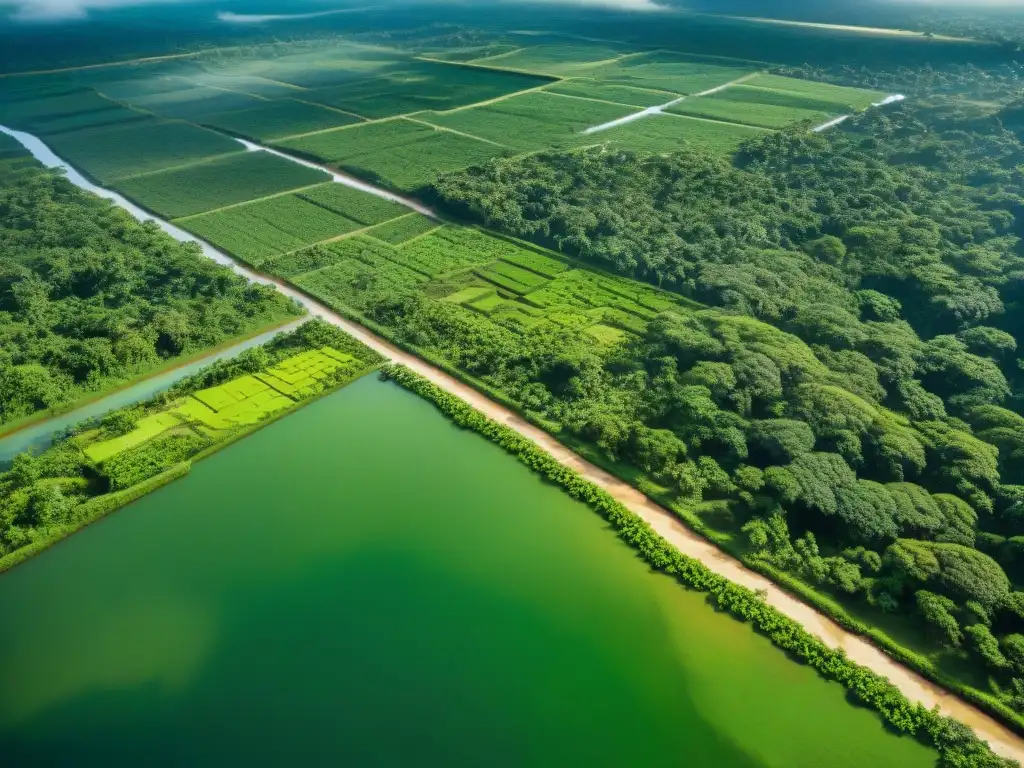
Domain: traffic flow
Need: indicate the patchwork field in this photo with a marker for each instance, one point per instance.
(421, 85)
(734, 108)
(657, 134)
(559, 60)
(111, 153)
(398, 231)
(354, 204)
(670, 72)
(531, 121)
(218, 183)
(401, 154)
(619, 94)
(257, 231)
(278, 119)
(194, 102)
(847, 98)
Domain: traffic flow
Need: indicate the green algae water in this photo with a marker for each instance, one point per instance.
(363, 584)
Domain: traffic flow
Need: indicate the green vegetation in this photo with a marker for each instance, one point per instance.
(659, 134)
(560, 60)
(397, 231)
(666, 71)
(956, 744)
(354, 204)
(90, 298)
(103, 465)
(108, 153)
(218, 183)
(256, 231)
(531, 121)
(734, 108)
(397, 153)
(848, 98)
(278, 119)
(193, 103)
(619, 94)
(419, 85)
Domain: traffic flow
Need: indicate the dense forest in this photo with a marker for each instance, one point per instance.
(89, 297)
(855, 412)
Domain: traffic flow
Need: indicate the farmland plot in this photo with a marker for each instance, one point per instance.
(658, 134)
(670, 72)
(421, 85)
(435, 254)
(267, 228)
(354, 204)
(531, 121)
(193, 103)
(733, 109)
(562, 59)
(619, 94)
(398, 231)
(116, 115)
(277, 119)
(28, 113)
(842, 97)
(218, 183)
(112, 152)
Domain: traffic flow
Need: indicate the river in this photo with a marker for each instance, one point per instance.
(364, 584)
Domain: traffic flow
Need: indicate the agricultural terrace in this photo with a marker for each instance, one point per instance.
(400, 154)
(218, 183)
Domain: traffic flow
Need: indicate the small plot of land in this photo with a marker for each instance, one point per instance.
(396, 153)
(254, 86)
(472, 52)
(193, 103)
(116, 115)
(670, 72)
(840, 96)
(619, 94)
(357, 265)
(354, 204)
(218, 183)
(531, 121)
(401, 230)
(258, 231)
(563, 59)
(29, 113)
(277, 119)
(734, 107)
(438, 253)
(111, 153)
(658, 134)
(421, 85)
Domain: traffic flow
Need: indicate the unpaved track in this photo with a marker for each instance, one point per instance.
(913, 686)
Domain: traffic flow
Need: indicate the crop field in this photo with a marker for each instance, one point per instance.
(422, 85)
(510, 277)
(658, 134)
(531, 121)
(258, 231)
(110, 153)
(278, 119)
(437, 254)
(217, 183)
(361, 266)
(755, 95)
(848, 98)
(254, 86)
(398, 231)
(354, 204)
(562, 60)
(193, 103)
(733, 109)
(138, 86)
(619, 94)
(397, 153)
(116, 115)
(535, 262)
(31, 112)
(472, 52)
(669, 72)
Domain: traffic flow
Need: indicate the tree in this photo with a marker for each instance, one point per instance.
(938, 614)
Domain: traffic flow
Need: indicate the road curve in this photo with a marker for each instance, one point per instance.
(915, 687)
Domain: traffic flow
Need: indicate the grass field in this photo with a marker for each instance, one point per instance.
(258, 231)
(531, 121)
(277, 119)
(354, 204)
(398, 231)
(755, 95)
(421, 85)
(30, 112)
(116, 115)
(733, 108)
(848, 98)
(113, 152)
(397, 153)
(658, 134)
(669, 72)
(619, 94)
(564, 59)
(193, 103)
(217, 183)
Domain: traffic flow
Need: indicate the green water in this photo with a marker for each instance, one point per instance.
(362, 584)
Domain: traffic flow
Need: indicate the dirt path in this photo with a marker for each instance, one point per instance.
(913, 686)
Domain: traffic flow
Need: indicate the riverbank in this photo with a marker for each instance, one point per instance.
(14, 427)
(911, 684)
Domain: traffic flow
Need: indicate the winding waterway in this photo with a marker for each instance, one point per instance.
(912, 685)
(364, 584)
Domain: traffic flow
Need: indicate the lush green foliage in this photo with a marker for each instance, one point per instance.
(354, 204)
(217, 183)
(725, 105)
(90, 298)
(956, 744)
(397, 231)
(278, 119)
(619, 94)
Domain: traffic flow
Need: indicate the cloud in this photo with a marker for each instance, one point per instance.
(620, 5)
(54, 10)
(255, 18)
